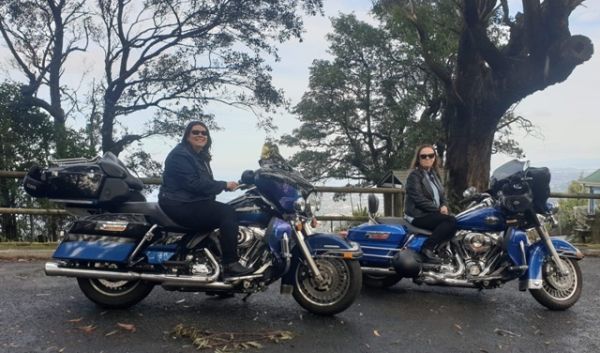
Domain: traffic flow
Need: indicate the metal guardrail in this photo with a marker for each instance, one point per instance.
(325, 189)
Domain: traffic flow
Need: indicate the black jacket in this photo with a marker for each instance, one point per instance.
(188, 177)
(419, 199)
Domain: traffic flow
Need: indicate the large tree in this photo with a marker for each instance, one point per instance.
(365, 109)
(41, 36)
(498, 60)
(26, 133)
(168, 58)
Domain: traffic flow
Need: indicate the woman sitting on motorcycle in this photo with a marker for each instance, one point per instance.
(188, 190)
(425, 204)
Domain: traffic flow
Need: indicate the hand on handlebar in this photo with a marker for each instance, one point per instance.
(231, 186)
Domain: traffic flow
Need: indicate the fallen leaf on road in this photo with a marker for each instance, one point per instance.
(87, 329)
(376, 333)
(127, 327)
(506, 333)
(75, 320)
(111, 333)
(180, 301)
(458, 327)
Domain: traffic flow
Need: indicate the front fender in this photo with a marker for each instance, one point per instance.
(323, 245)
(328, 244)
(535, 258)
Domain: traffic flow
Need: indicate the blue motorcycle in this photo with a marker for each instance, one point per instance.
(120, 247)
(491, 245)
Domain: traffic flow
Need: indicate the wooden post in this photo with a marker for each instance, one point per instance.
(393, 205)
(595, 228)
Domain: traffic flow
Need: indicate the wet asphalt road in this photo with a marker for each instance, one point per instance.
(47, 314)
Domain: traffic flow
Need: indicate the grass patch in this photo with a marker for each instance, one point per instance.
(27, 246)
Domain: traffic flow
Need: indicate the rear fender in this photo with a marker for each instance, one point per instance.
(537, 252)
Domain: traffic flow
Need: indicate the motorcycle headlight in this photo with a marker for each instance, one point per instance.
(314, 202)
(300, 204)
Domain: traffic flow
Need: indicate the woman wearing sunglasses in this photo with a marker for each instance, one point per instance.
(425, 204)
(188, 190)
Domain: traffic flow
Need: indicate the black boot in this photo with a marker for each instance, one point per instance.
(430, 256)
(236, 269)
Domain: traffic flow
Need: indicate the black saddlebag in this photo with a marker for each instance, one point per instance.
(105, 237)
(96, 182)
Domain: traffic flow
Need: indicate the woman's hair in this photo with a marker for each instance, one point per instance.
(415, 162)
(205, 153)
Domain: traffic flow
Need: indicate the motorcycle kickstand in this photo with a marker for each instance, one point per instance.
(245, 298)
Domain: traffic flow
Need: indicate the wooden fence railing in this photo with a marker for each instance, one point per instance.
(396, 193)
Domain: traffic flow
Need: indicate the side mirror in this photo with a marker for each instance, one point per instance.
(552, 207)
(248, 177)
(373, 203)
(470, 191)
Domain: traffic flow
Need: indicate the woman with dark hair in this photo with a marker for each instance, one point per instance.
(425, 204)
(188, 191)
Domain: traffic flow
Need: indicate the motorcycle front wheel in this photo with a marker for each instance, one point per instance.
(335, 292)
(111, 294)
(559, 292)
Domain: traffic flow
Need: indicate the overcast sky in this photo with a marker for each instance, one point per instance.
(567, 113)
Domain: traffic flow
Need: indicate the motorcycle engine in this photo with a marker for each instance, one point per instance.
(250, 244)
(478, 248)
(248, 235)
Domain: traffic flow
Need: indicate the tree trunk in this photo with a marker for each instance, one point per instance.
(470, 139)
(9, 221)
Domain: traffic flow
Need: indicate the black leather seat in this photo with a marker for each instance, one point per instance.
(404, 223)
(153, 211)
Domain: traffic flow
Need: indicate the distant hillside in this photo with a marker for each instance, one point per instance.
(562, 177)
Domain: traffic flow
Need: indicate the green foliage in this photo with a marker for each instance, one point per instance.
(27, 135)
(569, 218)
(167, 58)
(359, 114)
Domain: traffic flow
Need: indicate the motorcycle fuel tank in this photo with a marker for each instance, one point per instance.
(378, 241)
(488, 219)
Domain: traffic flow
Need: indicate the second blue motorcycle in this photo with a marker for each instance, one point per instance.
(490, 248)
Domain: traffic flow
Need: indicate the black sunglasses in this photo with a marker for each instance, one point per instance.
(427, 156)
(199, 132)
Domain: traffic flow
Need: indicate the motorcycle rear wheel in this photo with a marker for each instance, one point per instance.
(339, 288)
(559, 292)
(380, 281)
(111, 294)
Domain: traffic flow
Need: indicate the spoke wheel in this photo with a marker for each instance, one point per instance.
(339, 286)
(558, 291)
(112, 294)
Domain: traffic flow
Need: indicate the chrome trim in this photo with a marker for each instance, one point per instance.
(312, 265)
(52, 269)
(378, 271)
(147, 237)
(78, 202)
(381, 256)
(534, 284)
(543, 233)
(378, 248)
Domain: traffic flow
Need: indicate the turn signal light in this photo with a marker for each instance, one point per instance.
(299, 226)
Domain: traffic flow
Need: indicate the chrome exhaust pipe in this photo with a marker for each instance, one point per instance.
(378, 271)
(52, 269)
(432, 278)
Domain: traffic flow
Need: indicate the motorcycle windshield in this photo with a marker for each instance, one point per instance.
(278, 181)
(508, 169)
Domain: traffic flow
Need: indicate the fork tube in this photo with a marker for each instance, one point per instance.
(306, 253)
(543, 233)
